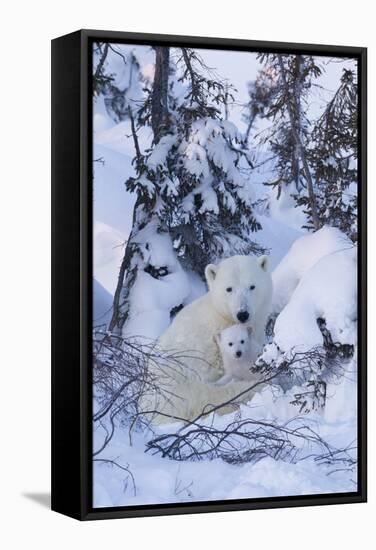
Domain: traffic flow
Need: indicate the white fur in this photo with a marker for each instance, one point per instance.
(192, 335)
(235, 344)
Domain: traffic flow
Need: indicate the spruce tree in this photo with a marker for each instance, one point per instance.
(189, 185)
(284, 102)
(333, 156)
(260, 92)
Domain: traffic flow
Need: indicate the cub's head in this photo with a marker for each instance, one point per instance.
(235, 341)
(239, 286)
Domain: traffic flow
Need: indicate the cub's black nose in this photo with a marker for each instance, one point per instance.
(238, 354)
(243, 316)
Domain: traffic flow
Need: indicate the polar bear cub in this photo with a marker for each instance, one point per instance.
(235, 344)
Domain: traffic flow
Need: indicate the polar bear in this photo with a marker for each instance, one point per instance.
(235, 345)
(240, 292)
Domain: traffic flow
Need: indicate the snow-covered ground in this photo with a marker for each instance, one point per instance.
(299, 286)
(314, 276)
(160, 480)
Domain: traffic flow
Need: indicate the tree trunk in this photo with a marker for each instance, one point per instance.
(98, 70)
(159, 101)
(252, 116)
(295, 164)
(298, 142)
(119, 306)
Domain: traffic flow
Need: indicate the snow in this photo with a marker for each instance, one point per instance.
(276, 237)
(147, 185)
(318, 279)
(284, 209)
(101, 120)
(324, 257)
(328, 291)
(196, 162)
(208, 142)
(314, 275)
(108, 255)
(154, 298)
(326, 287)
(102, 304)
(159, 480)
(303, 254)
(208, 196)
(113, 204)
(160, 151)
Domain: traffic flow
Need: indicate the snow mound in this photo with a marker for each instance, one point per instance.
(316, 279)
(328, 291)
(304, 254)
(153, 298)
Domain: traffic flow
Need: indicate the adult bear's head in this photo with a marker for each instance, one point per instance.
(239, 286)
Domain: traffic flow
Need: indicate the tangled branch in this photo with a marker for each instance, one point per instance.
(308, 371)
(122, 375)
(249, 440)
(242, 440)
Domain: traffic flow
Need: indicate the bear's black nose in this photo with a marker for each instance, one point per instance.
(238, 354)
(243, 316)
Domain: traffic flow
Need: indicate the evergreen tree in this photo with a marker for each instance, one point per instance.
(333, 156)
(281, 96)
(260, 93)
(213, 216)
(191, 196)
(316, 163)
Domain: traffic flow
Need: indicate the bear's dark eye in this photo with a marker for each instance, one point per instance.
(242, 341)
(229, 289)
(230, 343)
(252, 287)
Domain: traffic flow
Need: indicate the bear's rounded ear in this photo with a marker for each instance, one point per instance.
(210, 273)
(263, 262)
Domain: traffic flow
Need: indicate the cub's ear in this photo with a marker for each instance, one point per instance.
(210, 273)
(263, 262)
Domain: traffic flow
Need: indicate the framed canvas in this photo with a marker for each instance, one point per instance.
(208, 274)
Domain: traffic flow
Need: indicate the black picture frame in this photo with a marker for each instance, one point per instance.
(72, 276)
